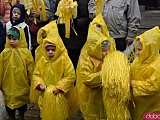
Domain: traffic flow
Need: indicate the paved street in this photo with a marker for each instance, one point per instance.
(34, 114)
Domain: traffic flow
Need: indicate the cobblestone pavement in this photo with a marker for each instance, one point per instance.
(33, 113)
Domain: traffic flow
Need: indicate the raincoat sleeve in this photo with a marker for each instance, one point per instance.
(30, 66)
(37, 76)
(68, 79)
(149, 86)
(90, 79)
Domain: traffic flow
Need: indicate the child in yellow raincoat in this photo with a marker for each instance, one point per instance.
(17, 67)
(88, 83)
(54, 76)
(145, 74)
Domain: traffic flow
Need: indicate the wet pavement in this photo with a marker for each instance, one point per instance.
(33, 113)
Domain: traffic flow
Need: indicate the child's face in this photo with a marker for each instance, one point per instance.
(139, 48)
(16, 14)
(105, 51)
(13, 41)
(50, 51)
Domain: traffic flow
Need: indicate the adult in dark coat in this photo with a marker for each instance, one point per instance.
(81, 23)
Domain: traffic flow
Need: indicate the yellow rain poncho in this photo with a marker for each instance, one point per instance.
(59, 72)
(18, 65)
(145, 71)
(116, 86)
(48, 30)
(88, 82)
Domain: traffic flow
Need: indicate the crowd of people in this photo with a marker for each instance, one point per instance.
(67, 56)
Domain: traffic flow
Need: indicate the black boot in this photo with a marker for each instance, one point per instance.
(12, 118)
(21, 115)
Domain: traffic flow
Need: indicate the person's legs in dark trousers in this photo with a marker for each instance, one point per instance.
(21, 111)
(11, 113)
(120, 44)
(74, 56)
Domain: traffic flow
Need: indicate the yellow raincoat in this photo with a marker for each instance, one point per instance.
(17, 67)
(116, 86)
(88, 82)
(50, 30)
(145, 71)
(58, 72)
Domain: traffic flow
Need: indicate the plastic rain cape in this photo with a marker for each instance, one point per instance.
(59, 72)
(18, 65)
(66, 12)
(145, 72)
(116, 86)
(55, 107)
(88, 84)
(50, 30)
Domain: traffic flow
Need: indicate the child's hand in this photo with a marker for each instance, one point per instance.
(43, 34)
(42, 87)
(56, 91)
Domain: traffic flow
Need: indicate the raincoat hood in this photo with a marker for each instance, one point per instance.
(22, 40)
(49, 29)
(22, 16)
(150, 41)
(59, 46)
(96, 37)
